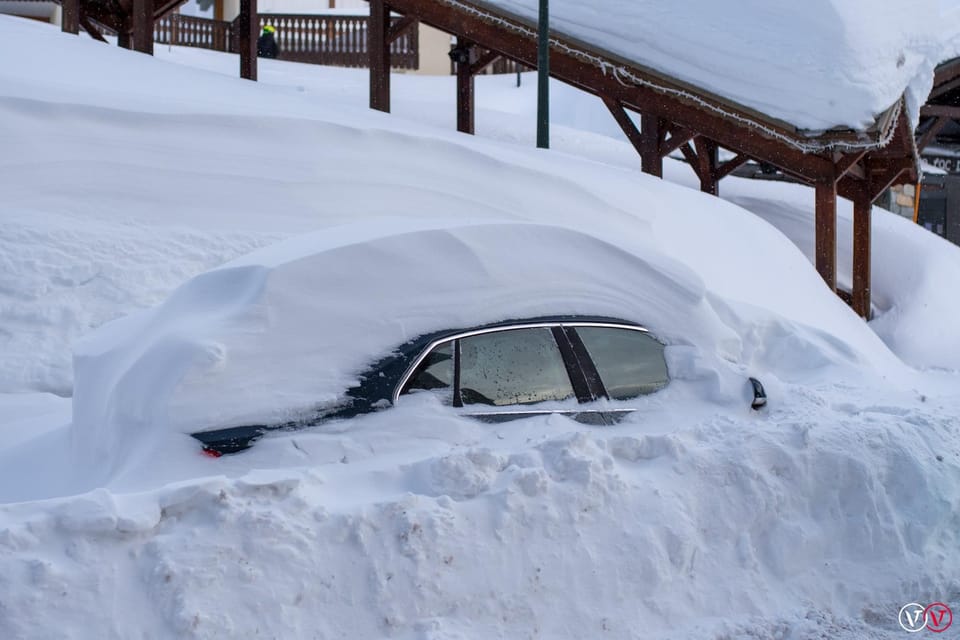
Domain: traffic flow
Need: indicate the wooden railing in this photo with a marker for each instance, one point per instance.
(317, 39)
(335, 40)
(189, 31)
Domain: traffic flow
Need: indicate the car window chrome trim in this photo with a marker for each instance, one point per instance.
(510, 327)
(510, 412)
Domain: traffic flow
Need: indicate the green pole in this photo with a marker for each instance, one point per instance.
(543, 78)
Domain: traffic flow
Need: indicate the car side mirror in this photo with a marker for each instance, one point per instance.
(759, 395)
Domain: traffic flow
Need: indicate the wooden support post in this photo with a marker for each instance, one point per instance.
(708, 158)
(826, 231)
(125, 39)
(862, 210)
(70, 18)
(143, 26)
(651, 130)
(467, 56)
(248, 29)
(378, 48)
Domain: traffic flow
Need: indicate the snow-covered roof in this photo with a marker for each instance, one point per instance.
(816, 65)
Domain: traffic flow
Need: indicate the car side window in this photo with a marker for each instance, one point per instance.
(434, 372)
(630, 363)
(517, 366)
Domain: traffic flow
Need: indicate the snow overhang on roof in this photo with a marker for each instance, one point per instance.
(569, 37)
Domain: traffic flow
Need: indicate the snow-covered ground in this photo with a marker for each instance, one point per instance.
(819, 517)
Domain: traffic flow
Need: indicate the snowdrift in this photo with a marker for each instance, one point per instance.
(697, 519)
(270, 336)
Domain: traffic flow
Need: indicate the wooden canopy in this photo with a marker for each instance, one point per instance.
(941, 114)
(132, 20)
(858, 165)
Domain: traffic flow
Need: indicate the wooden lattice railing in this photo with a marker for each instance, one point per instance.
(335, 40)
(190, 31)
(317, 39)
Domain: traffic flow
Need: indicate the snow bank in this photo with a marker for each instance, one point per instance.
(697, 519)
(912, 269)
(287, 167)
(820, 521)
(815, 64)
(289, 328)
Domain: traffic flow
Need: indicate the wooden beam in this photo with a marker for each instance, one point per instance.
(691, 157)
(862, 211)
(945, 78)
(379, 51)
(626, 124)
(943, 88)
(880, 182)
(465, 86)
(946, 71)
(91, 30)
(731, 165)
(678, 137)
(645, 140)
(939, 111)
(248, 28)
(124, 39)
(401, 26)
(651, 133)
(939, 122)
(484, 61)
(143, 26)
(847, 162)
(510, 38)
(826, 231)
(70, 17)
(707, 160)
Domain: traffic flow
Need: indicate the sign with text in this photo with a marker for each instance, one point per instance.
(950, 164)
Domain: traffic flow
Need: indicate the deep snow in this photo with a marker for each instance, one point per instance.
(816, 64)
(695, 519)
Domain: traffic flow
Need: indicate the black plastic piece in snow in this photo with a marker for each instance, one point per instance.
(759, 395)
(231, 440)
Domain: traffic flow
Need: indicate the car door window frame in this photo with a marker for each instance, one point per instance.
(582, 372)
(591, 372)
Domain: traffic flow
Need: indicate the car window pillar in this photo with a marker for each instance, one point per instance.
(573, 366)
(457, 398)
(589, 370)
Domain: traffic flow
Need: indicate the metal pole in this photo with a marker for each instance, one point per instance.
(543, 78)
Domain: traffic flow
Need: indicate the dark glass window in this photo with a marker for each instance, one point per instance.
(435, 372)
(518, 366)
(630, 363)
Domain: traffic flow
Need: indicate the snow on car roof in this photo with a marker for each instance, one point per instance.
(294, 324)
(280, 331)
(817, 64)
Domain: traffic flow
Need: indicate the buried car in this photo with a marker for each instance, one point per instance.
(502, 372)
(498, 320)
